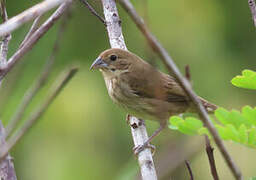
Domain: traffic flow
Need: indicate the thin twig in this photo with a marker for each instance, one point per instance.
(252, 7)
(35, 37)
(93, 11)
(138, 128)
(189, 170)
(39, 82)
(7, 171)
(172, 68)
(34, 117)
(5, 39)
(209, 150)
(32, 29)
(28, 15)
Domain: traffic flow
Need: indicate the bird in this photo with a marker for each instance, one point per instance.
(142, 90)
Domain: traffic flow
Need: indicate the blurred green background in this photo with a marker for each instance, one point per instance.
(83, 135)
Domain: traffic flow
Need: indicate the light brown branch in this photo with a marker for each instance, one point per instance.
(252, 7)
(39, 82)
(172, 68)
(32, 29)
(28, 15)
(35, 37)
(34, 117)
(5, 39)
(7, 171)
(138, 128)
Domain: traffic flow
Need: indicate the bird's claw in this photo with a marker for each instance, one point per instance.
(139, 148)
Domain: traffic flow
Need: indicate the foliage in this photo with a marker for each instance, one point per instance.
(232, 125)
(247, 80)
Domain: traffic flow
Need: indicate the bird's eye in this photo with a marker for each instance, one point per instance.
(113, 57)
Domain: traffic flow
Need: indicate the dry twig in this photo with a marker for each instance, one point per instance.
(6, 38)
(138, 128)
(32, 29)
(209, 150)
(189, 170)
(7, 171)
(34, 117)
(39, 82)
(35, 37)
(93, 11)
(172, 68)
(28, 15)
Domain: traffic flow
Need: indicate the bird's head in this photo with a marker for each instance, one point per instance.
(113, 61)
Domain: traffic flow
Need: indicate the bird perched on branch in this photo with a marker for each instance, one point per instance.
(142, 90)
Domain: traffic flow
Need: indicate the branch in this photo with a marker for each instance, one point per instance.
(35, 37)
(209, 150)
(172, 68)
(39, 83)
(93, 11)
(28, 15)
(32, 29)
(34, 117)
(138, 128)
(7, 171)
(6, 38)
(189, 170)
(252, 7)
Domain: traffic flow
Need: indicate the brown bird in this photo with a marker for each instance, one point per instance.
(142, 90)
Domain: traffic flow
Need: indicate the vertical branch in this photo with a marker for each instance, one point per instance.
(209, 150)
(138, 128)
(5, 39)
(7, 171)
(252, 7)
(172, 68)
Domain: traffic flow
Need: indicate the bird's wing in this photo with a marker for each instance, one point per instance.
(156, 85)
(173, 91)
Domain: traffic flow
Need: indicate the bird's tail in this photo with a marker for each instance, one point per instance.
(208, 106)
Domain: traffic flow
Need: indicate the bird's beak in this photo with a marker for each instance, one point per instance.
(98, 63)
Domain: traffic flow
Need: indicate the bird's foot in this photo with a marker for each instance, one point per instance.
(139, 148)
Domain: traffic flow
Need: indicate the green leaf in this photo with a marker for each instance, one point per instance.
(175, 121)
(247, 80)
(243, 135)
(250, 114)
(193, 123)
(252, 136)
(222, 115)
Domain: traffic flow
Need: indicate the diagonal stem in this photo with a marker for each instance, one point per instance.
(172, 68)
